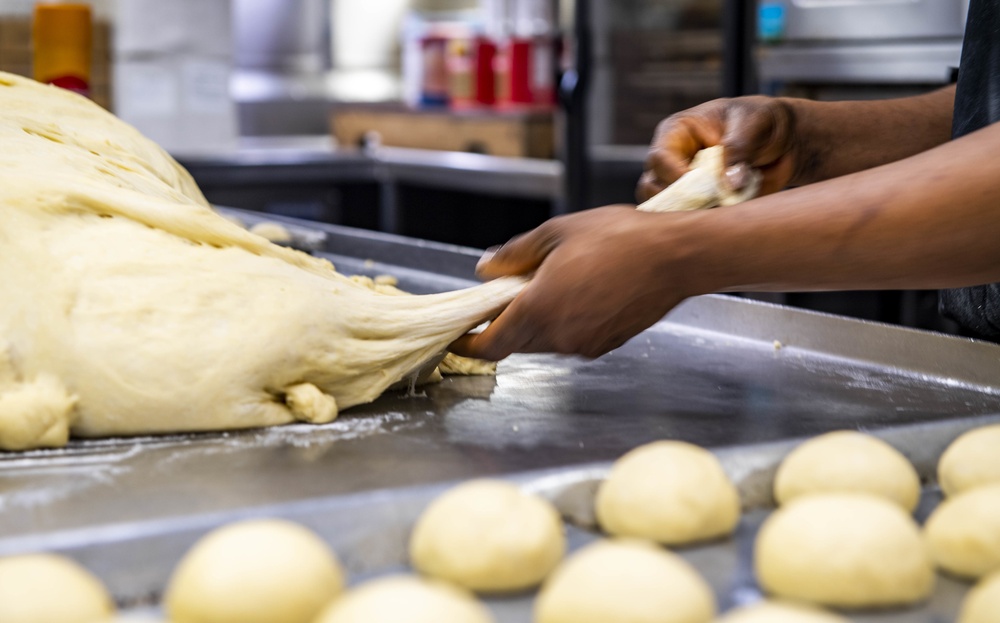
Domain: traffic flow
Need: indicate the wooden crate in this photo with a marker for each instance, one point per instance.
(513, 134)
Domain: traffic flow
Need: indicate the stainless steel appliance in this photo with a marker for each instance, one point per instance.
(838, 49)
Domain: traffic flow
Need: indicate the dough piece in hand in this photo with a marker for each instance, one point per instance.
(982, 603)
(971, 461)
(780, 612)
(850, 550)
(47, 587)
(625, 581)
(670, 492)
(405, 598)
(963, 533)
(701, 187)
(848, 461)
(488, 536)
(256, 571)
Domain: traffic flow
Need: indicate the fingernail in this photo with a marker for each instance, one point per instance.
(736, 176)
(487, 256)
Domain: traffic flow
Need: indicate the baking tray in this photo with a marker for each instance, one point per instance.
(369, 531)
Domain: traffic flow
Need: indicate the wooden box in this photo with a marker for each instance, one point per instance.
(514, 133)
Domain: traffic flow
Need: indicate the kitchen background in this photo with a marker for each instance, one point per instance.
(469, 121)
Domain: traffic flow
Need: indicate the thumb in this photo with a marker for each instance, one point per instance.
(520, 256)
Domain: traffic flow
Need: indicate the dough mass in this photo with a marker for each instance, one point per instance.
(128, 306)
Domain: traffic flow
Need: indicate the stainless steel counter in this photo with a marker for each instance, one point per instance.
(301, 158)
(718, 371)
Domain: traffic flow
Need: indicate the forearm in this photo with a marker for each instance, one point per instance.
(929, 221)
(837, 138)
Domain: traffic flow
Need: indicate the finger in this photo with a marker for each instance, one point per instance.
(676, 142)
(500, 338)
(754, 135)
(521, 255)
(647, 187)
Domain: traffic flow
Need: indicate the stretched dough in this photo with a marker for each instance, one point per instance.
(137, 309)
(701, 188)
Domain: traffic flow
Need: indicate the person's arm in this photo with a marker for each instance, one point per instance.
(795, 141)
(602, 276)
(837, 138)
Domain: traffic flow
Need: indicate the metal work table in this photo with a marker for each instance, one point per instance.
(718, 371)
(285, 166)
(301, 158)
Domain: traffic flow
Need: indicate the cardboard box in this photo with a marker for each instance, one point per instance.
(512, 134)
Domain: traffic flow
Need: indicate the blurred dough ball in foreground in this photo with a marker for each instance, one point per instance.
(847, 461)
(963, 533)
(275, 232)
(47, 587)
(256, 571)
(851, 550)
(488, 535)
(982, 603)
(406, 598)
(780, 612)
(971, 461)
(625, 581)
(670, 492)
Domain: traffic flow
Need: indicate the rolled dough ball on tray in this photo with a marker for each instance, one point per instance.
(48, 587)
(963, 533)
(971, 461)
(982, 603)
(625, 581)
(409, 599)
(256, 571)
(488, 535)
(849, 550)
(847, 461)
(780, 612)
(671, 492)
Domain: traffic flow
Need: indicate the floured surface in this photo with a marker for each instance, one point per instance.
(138, 309)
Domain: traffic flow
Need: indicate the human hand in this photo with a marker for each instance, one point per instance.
(600, 277)
(755, 131)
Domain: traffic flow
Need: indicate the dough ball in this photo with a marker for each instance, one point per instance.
(256, 571)
(970, 461)
(406, 598)
(670, 492)
(625, 581)
(963, 533)
(848, 461)
(47, 587)
(275, 232)
(852, 550)
(488, 535)
(780, 612)
(982, 603)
